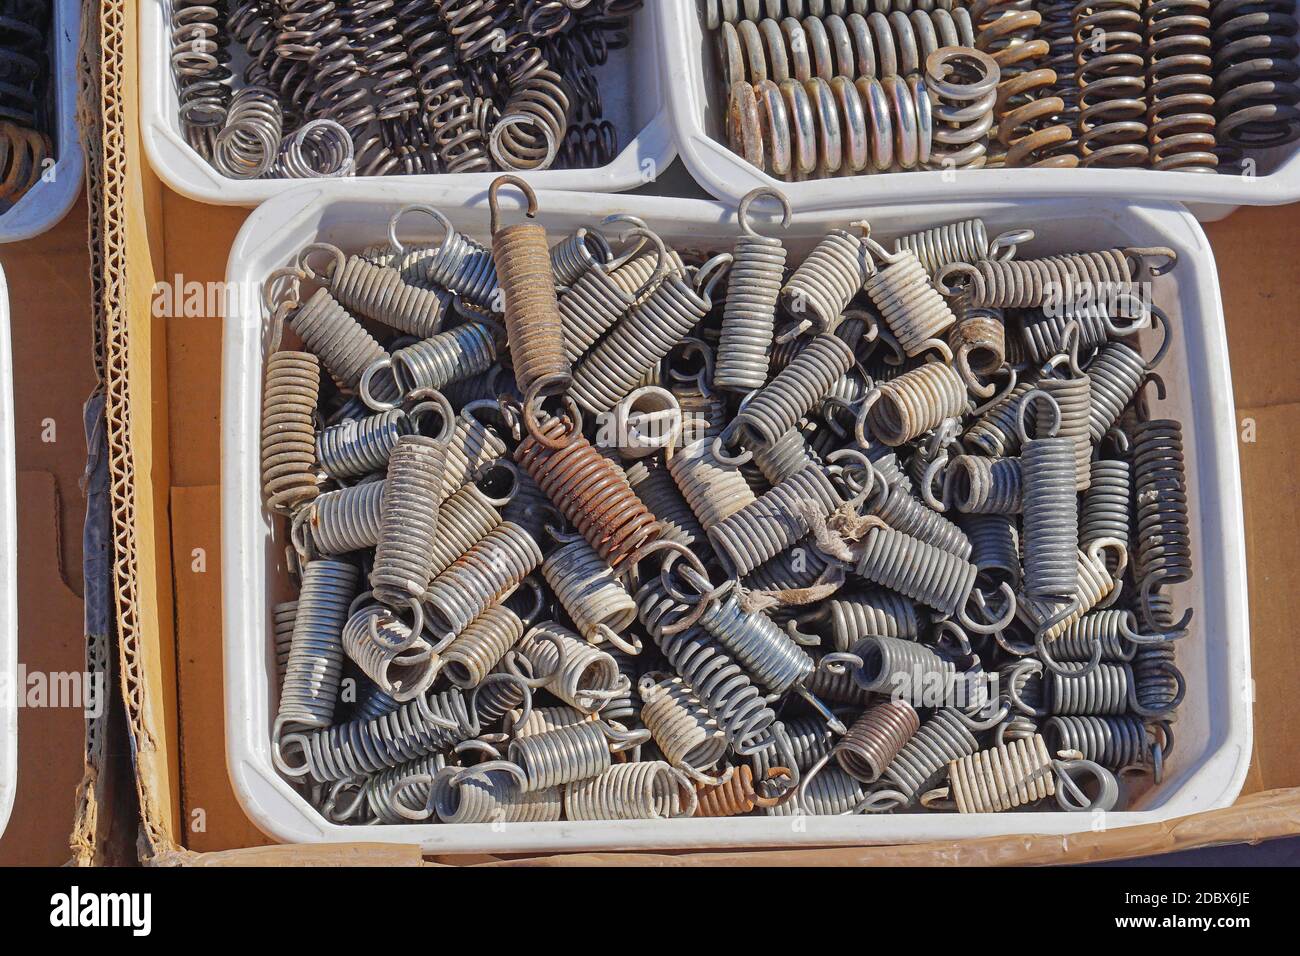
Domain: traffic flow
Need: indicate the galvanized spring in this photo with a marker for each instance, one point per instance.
(464, 519)
(447, 357)
(978, 485)
(920, 571)
(804, 741)
(854, 615)
(685, 732)
(1044, 331)
(1158, 684)
(1103, 690)
(940, 740)
(1118, 743)
(624, 708)
(591, 493)
(774, 522)
(875, 739)
(979, 344)
(481, 646)
(429, 723)
(457, 263)
(1108, 50)
(348, 519)
(1105, 515)
(401, 794)
(577, 252)
(754, 285)
(377, 292)
(909, 406)
(996, 431)
(828, 279)
(1094, 585)
(408, 530)
(898, 509)
(1255, 75)
(371, 701)
(1050, 507)
(289, 395)
(835, 686)
(1117, 372)
(792, 393)
(830, 792)
(1073, 398)
(1110, 628)
(492, 798)
(962, 83)
(1028, 283)
(249, 141)
(1164, 552)
(963, 241)
(714, 489)
(312, 673)
(652, 482)
(717, 12)
(784, 458)
(566, 754)
(903, 669)
(473, 452)
(481, 577)
(995, 547)
(909, 304)
(651, 790)
(534, 327)
(1180, 96)
(644, 336)
(361, 446)
(401, 663)
(593, 303)
(343, 346)
(587, 588)
(321, 149)
(1005, 777)
(199, 56)
(766, 653)
(584, 677)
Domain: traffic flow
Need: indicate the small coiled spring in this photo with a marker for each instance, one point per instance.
(749, 317)
(289, 396)
(650, 790)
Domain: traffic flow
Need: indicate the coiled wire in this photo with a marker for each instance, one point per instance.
(289, 394)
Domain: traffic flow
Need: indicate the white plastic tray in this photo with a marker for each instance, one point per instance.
(634, 101)
(52, 196)
(699, 124)
(1214, 725)
(8, 574)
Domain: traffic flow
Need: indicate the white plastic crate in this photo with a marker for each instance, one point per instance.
(52, 196)
(633, 97)
(8, 574)
(1214, 724)
(699, 124)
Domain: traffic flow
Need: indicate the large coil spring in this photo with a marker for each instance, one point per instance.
(828, 279)
(903, 669)
(379, 292)
(794, 391)
(482, 576)
(485, 641)
(1106, 510)
(561, 755)
(1164, 554)
(749, 317)
(875, 738)
(1255, 73)
(586, 586)
(653, 483)
(1051, 512)
(650, 790)
(199, 57)
(409, 527)
(978, 485)
(1117, 743)
(902, 512)
(343, 346)
(963, 87)
(1109, 40)
(854, 615)
(348, 519)
(400, 663)
(289, 396)
(315, 665)
(1028, 283)
(774, 522)
(447, 357)
(1104, 690)
(685, 732)
(922, 572)
(915, 402)
(1180, 94)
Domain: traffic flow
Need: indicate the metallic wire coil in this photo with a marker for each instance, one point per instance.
(1108, 51)
(1180, 97)
(904, 670)
(289, 394)
(902, 512)
(312, 673)
(403, 563)
(713, 489)
(962, 83)
(875, 738)
(1002, 778)
(651, 790)
(794, 391)
(940, 740)
(401, 794)
(1028, 283)
(963, 241)
(584, 677)
(749, 316)
(854, 615)
(827, 280)
(476, 651)
(343, 346)
(492, 798)
(915, 402)
(1255, 73)
(464, 519)
(1158, 684)
(587, 588)
(348, 519)
(472, 453)
(321, 149)
(590, 305)
(909, 304)
(1121, 742)
(1051, 516)
(1094, 586)
(1164, 547)
(978, 341)
(767, 653)
(736, 797)
(1117, 372)
(979, 485)
(199, 56)
(718, 12)
(360, 446)
(685, 732)
(248, 143)
(995, 432)
(380, 293)
(652, 482)
(995, 547)
(774, 522)
(1045, 330)
(1103, 691)
(1073, 398)
(542, 719)
(922, 572)
(1106, 511)
(832, 792)
(578, 252)
(1108, 627)
(784, 458)
(282, 617)
(481, 577)
(562, 755)
(447, 357)
(400, 663)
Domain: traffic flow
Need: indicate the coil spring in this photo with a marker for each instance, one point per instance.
(458, 264)
(1004, 777)
(584, 677)
(447, 357)
(1027, 283)
(1104, 690)
(380, 293)
(282, 617)
(922, 572)
(995, 432)
(995, 547)
(23, 154)
(774, 522)
(713, 489)
(590, 306)
(561, 755)
(1051, 517)
(717, 12)
(1044, 332)
(902, 512)
(749, 318)
(339, 341)
(903, 669)
(794, 391)
(585, 585)
(828, 279)
(766, 653)
(784, 458)
(482, 576)
(1094, 585)
(1164, 554)
(1057, 29)
(533, 123)
(685, 732)
(909, 304)
(1108, 37)
(199, 56)
(315, 665)
(962, 83)
(248, 144)
(1107, 628)
(1180, 97)
(1105, 512)
(980, 485)
(464, 519)
(1117, 372)
(403, 563)
(400, 663)
(651, 790)
(875, 739)
(1117, 743)
(588, 146)
(477, 650)
(348, 519)
(289, 396)
(1073, 398)
(653, 483)
(1022, 690)
(871, 611)
(321, 149)
(963, 241)
(592, 494)
(1255, 73)
(492, 798)
(1158, 685)
(915, 402)
(939, 741)
(401, 794)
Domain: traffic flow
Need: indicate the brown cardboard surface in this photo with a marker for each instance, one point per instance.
(49, 299)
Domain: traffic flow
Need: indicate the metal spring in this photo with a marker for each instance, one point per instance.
(979, 485)
(592, 304)
(450, 356)
(1008, 31)
(922, 572)
(805, 741)
(1117, 372)
(837, 688)
(915, 402)
(249, 141)
(348, 519)
(315, 665)
(1044, 332)
(909, 304)
(766, 652)
(343, 346)
(1180, 100)
(379, 293)
(995, 432)
(457, 263)
(1057, 29)
(1255, 75)
(784, 458)
(736, 797)
(477, 650)
(429, 723)
(995, 547)
(871, 611)
(403, 563)
(1027, 283)
(541, 719)
(474, 450)
(1164, 553)
(401, 794)
(321, 149)
(1051, 512)
(651, 790)
(902, 512)
(717, 12)
(1021, 690)
(1005, 777)
(1158, 685)
(1094, 586)
(640, 339)
(1118, 743)
(962, 83)
(282, 617)
(592, 494)
(482, 576)
(774, 522)
(534, 120)
(1106, 510)
(588, 146)
(1108, 51)
(963, 241)
(940, 740)
(685, 732)
(653, 483)
(749, 317)
(1109, 628)
(577, 252)
(713, 489)
(587, 588)
(371, 701)
(903, 669)
(401, 664)
(1073, 398)
(23, 155)
(584, 677)
(289, 396)
(492, 798)
(561, 755)
(1103, 690)
(828, 279)
(979, 343)
(875, 738)
(832, 792)
(793, 392)
(199, 56)
(464, 519)
(624, 708)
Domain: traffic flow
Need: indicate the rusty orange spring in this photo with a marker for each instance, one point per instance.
(737, 796)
